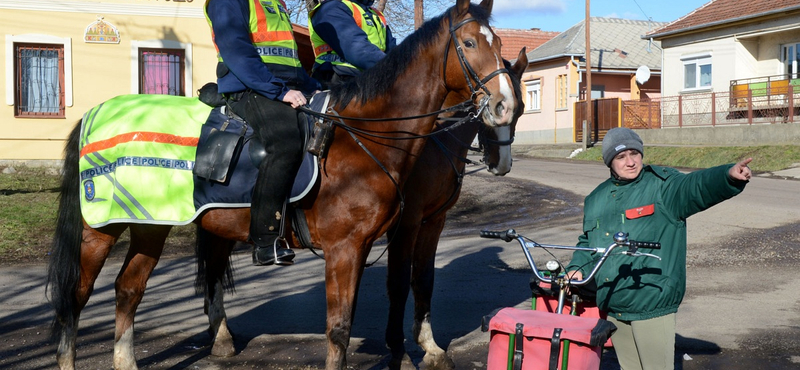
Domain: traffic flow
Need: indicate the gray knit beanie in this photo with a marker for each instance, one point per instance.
(620, 139)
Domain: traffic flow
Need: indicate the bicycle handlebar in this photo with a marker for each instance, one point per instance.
(620, 240)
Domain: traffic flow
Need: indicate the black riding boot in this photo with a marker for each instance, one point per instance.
(275, 124)
(269, 248)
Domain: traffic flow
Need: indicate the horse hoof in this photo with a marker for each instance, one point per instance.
(223, 350)
(440, 361)
(223, 345)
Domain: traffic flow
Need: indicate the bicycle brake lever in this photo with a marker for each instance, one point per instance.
(641, 254)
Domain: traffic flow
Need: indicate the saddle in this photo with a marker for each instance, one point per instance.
(229, 154)
(225, 133)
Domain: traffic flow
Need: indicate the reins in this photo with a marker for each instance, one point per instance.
(465, 106)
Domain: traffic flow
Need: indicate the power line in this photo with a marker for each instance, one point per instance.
(640, 8)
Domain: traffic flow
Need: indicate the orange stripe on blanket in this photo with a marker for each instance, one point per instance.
(152, 137)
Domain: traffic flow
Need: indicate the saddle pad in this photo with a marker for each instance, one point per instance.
(137, 153)
(133, 156)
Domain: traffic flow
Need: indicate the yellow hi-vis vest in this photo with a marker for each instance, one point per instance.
(376, 33)
(270, 31)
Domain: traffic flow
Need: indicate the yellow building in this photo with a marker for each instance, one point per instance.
(60, 58)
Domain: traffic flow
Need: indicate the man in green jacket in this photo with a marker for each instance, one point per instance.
(640, 294)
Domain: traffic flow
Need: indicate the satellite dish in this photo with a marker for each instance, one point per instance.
(642, 75)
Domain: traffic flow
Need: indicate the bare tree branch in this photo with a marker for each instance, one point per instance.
(403, 16)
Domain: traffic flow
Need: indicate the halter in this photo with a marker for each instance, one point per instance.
(466, 68)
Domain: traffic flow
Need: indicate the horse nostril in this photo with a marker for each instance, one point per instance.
(500, 109)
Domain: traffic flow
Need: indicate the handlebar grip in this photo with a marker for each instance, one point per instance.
(506, 236)
(651, 245)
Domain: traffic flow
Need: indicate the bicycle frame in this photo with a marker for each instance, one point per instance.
(620, 240)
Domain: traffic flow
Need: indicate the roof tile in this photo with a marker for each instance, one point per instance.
(514, 40)
(720, 11)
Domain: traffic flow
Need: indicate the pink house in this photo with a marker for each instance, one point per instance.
(555, 79)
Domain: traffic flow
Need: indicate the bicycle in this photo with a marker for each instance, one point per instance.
(599, 330)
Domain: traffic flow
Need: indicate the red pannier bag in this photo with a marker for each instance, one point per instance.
(547, 300)
(538, 339)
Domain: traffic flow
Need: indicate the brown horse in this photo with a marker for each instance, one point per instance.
(413, 240)
(358, 197)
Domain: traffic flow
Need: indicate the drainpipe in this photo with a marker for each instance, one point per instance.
(577, 84)
(580, 76)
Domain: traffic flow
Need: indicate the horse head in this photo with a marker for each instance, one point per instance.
(477, 70)
(496, 142)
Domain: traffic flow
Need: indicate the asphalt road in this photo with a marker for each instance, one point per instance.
(742, 309)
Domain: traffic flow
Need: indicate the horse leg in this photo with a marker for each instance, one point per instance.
(343, 272)
(213, 258)
(401, 243)
(94, 249)
(423, 270)
(147, 243)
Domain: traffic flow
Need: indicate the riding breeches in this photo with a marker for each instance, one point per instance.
(276, 125)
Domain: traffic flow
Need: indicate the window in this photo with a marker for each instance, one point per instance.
(161, 71)
(561, 92)
(533, 94)
(39, 81)
(161, 67)
(697, 72)
(38, 75)
(790, 56)
(598, 91)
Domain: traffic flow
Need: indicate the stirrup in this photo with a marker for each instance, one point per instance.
(285, 259)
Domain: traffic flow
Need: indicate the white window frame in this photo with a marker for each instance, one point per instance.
(65, 42)
(162, 44)
(698, 60)
(795, 63)
(533, 95)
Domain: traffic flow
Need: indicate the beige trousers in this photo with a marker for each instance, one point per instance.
(645, 344)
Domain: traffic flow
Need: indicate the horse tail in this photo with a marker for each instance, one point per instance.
(63, 274)
(203, 247)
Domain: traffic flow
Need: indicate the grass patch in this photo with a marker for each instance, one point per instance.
(28, 212)
(765, 158)
(28, 204)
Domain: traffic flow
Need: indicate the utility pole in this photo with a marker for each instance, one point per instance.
(419, 15)
(588, 127)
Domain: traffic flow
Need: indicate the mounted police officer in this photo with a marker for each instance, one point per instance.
(348, 37)
(261, 77)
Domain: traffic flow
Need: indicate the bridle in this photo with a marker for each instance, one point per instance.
(466, 68)
(469, 75)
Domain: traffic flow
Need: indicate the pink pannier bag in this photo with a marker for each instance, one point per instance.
(533, 340)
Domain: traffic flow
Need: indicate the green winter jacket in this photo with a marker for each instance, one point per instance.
(652, 208)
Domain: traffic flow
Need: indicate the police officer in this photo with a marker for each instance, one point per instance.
(348, 36)
(261, 77)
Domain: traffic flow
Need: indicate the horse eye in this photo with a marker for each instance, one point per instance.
(469, 43)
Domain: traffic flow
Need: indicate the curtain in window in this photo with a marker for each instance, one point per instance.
(160, 73)
(40, 85)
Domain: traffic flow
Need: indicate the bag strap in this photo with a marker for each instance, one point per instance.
(517, 361)
(555, 348)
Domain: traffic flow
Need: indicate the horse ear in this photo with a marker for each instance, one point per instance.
(521, 63)
(462, 7)
(487, 4)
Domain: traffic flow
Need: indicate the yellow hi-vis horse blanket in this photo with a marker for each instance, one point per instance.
(136, 153)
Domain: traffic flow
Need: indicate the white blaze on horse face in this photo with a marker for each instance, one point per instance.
(505, 88)
(488, 34)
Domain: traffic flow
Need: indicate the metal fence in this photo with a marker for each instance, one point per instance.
(714, 109)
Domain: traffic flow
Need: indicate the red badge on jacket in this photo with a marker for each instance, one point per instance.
(640, 211)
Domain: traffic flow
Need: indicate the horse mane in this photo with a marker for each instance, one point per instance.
(378, 80)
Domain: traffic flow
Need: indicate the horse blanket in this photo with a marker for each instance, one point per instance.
(137, 153)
